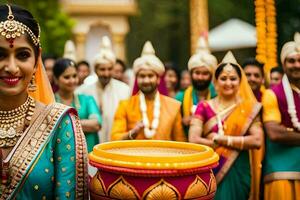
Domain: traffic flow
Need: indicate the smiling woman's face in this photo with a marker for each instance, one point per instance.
(228, 83)
(17, 66)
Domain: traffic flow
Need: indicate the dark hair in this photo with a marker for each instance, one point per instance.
(83, 62)
(254, 62)
(170, 66)
(221, 67)
(48, 56)
(61, 65)
(122, 63)
(24, 16)
(277, 69)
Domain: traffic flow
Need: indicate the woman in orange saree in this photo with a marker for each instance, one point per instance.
(230, 124)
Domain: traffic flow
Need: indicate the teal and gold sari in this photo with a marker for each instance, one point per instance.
(49, 160)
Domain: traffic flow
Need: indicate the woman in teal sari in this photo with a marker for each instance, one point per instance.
(42, 146)
(66, 78)
(230, 125)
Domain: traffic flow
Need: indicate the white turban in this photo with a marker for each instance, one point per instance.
(70, 50)
(202, 57)
(148, 60)
(290, 48)
(106, 54)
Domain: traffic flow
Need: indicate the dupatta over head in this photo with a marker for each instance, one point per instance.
(43, 92)
(237, 123)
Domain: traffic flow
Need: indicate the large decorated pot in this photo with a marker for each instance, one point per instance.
(153, 169)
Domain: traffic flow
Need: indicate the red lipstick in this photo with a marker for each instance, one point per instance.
(11, 81)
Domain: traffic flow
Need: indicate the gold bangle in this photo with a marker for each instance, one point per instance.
(289, 129)
(242, 142)
(229, 141)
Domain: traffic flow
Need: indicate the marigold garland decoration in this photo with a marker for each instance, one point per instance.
(260, 20)
(266, 30)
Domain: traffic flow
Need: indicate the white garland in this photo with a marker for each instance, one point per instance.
(291, 102)
(149, 133)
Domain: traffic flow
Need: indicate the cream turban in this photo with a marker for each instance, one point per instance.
(148, 60)
(202, 57)
(290, 48)
(70, 50)
(106, 54)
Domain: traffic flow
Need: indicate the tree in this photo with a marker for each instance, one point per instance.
(288, 20)
(165, 23)
(55, 25)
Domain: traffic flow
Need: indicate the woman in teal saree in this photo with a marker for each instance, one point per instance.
(66, 78)
(230, 125)
(43, 150)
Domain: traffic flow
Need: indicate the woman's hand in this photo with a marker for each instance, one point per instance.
(214, 137)
(90, 125)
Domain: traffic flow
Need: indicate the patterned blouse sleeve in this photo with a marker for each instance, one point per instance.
(65, 160)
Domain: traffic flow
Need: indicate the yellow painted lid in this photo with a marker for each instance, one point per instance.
(153, 154)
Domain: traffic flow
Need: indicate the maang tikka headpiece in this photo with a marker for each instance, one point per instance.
(10, 29)
(229, 59)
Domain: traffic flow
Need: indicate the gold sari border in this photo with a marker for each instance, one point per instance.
(212, 121)
(223, 171)
(27, 149)
(27, 153)
(256, 109)
(282, 176)
(81, 160)
(234, 153)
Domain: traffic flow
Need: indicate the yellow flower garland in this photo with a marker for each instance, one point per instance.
(266, 29)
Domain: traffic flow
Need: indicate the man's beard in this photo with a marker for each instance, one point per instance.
(201, 85)
(104, 80)
(148, 89)
(254, 86)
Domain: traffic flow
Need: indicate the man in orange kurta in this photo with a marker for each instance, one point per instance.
(132, 122)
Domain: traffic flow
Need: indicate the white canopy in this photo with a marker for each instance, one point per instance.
(232, 34)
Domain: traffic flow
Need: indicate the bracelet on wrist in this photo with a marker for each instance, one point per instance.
(229, 141)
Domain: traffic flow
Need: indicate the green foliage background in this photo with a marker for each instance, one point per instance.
(55, 25)
(166, 24)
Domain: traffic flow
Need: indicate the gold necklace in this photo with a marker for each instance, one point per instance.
(14, 122)
(220, 106)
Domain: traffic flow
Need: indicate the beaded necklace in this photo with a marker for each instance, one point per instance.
(14, 122)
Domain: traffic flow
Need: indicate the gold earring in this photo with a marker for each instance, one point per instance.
(32, 85)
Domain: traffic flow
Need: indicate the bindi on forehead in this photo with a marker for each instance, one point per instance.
(20, 43)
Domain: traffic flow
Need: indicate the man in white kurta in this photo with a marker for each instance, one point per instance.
(106, 90)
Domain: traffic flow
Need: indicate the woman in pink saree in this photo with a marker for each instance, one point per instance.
(230, 125)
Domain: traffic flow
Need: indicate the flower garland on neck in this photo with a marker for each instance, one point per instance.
(149, 133)
(291, 102)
